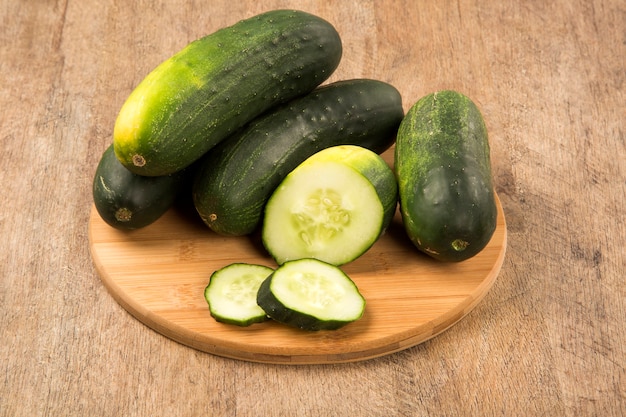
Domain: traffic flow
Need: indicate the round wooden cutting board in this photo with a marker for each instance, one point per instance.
(159, 274)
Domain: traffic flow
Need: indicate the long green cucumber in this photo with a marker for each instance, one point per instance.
(218, 83)
(236, 178)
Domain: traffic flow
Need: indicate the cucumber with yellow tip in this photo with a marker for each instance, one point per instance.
(218, 83)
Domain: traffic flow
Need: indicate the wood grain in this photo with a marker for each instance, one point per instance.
(159, 274)
(548, 339)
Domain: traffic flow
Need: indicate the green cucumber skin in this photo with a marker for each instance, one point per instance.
(117, 192)
(237, 177)
(218, 83)
(277, 311)
(442, 162)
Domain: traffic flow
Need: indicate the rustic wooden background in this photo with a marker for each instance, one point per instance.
(549, 338)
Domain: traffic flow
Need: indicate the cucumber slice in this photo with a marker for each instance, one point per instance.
(330, 207)
(231, 293)
(311, 295)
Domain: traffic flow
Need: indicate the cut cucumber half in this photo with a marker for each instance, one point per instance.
(332, 207)
(231, 293)
(311, 295)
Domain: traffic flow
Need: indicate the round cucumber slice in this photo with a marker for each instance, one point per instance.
(325, 210)
(231, 293)
(311, 295)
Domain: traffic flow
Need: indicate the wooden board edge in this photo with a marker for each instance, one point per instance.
(386, 346)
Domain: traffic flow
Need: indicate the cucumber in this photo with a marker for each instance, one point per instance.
(232, 291)
(218, 83)
(443, 167)
(128, 201)
(236, 178)
(311, 295)
(332, 207)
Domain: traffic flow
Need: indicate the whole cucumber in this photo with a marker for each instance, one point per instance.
(236, 178)
(443, 166)
(218, 83)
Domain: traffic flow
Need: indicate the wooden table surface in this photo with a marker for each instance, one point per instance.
(547, 340)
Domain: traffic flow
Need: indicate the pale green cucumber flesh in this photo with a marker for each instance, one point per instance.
(311, 295)
(326, 211)
(370, 165)
(231, 293)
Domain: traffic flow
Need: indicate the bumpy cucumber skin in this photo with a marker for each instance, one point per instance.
(236, 178)
(277, 311)
(216, 84)
(372, 166)
(442, 162)
(129, 201)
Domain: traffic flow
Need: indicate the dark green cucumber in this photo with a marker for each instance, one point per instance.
(332, 207)
(129, 201)
(444, 176)
(232, 291)
(311, 295)
(218, 83)
(236, 178)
